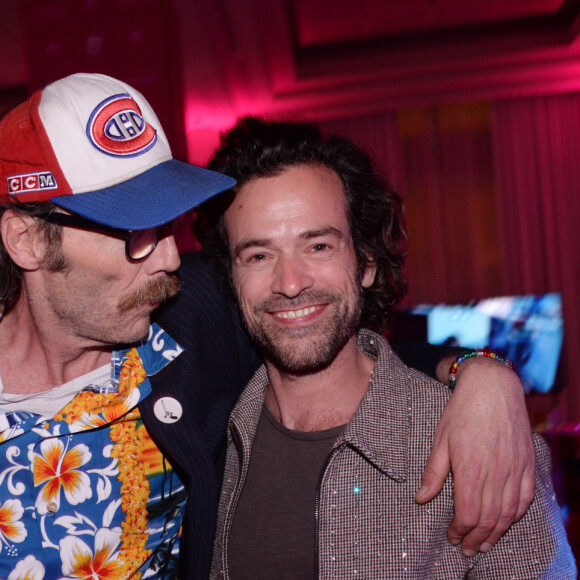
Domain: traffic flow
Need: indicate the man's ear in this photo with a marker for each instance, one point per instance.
(22, 239)
(369, 272)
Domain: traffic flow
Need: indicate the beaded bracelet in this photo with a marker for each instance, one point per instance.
(471, 353)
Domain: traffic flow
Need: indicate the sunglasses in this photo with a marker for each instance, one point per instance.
(138, 243)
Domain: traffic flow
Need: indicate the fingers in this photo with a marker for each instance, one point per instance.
(483, 513)
(468, 492)
(435, 473)
(528, 486)
(497, 512)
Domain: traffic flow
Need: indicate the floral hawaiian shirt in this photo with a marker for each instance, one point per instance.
(86, 493)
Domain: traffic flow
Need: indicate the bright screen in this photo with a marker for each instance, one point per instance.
(527, 329)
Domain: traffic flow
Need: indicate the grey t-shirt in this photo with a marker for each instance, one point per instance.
(273, 531)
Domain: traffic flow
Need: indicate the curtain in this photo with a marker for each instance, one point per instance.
(450, 200)
(536, 144)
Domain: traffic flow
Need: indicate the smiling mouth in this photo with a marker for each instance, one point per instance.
(301, 313)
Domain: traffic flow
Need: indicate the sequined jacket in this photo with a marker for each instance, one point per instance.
(368, 524)
(87, 493)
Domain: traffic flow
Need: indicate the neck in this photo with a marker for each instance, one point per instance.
(323, 399)
(34, 358)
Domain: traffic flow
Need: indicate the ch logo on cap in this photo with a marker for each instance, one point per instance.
(116, 127)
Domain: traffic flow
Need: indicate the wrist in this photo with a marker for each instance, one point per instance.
(481, 354)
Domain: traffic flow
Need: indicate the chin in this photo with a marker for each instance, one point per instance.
(138, 332)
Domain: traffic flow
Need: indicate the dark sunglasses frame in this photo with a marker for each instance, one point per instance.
(76, 221)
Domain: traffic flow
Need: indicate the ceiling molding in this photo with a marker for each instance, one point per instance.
(264, 71)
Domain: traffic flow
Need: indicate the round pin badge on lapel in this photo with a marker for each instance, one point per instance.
(168, 410)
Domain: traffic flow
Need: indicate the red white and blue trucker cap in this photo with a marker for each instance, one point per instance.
(92, 145)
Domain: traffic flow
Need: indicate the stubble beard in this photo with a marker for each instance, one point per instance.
(313, 347)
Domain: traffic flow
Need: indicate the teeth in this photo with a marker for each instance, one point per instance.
(296, 313)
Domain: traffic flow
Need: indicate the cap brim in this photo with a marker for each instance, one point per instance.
(151, 199)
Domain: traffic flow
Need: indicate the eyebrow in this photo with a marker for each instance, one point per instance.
(327, 231)
(308, 235)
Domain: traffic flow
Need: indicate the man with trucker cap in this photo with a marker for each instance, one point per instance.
(89, 388)
(84, 489)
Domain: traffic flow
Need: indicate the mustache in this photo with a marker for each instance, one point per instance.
(153, 292)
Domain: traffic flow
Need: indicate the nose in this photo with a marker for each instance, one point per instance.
(165, 257)
(291, 276)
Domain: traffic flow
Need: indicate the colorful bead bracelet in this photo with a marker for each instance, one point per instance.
(471, 353)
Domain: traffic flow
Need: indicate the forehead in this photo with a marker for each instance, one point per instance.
(302, 196)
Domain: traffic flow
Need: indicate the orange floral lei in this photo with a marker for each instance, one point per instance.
(129, 441)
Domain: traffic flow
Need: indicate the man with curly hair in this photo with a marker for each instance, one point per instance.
(328, 441)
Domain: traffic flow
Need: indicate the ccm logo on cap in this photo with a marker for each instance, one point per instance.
(31, 182)
(117, 127)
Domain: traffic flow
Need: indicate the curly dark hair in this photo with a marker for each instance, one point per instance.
(10, 273)
(255, 148)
